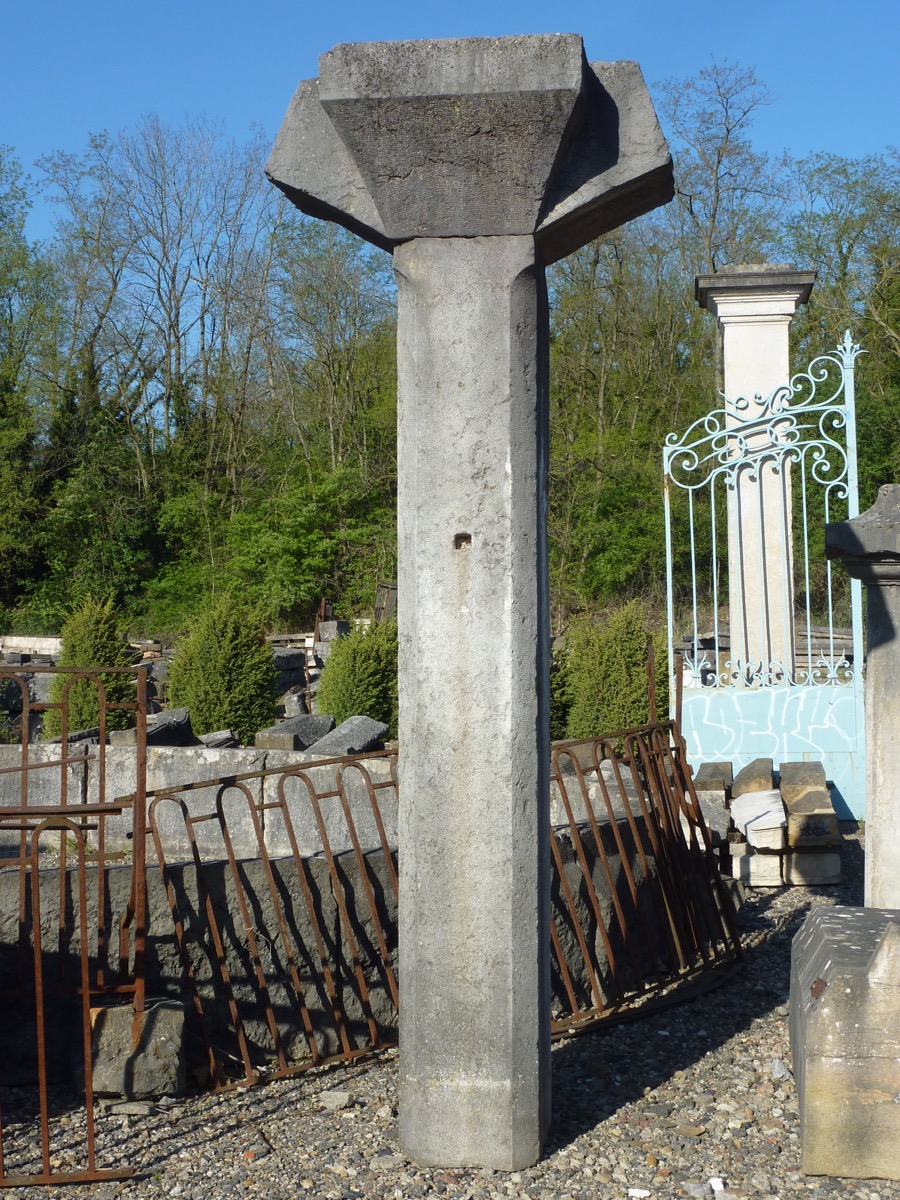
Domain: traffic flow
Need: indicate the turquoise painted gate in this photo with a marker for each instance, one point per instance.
(748, 491)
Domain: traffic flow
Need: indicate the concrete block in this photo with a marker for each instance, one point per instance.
(812, 868)
(753, 868)
(714, 772)
(796, 779)
(755, 777)
(845, 1041)
(760, 817)
(356, 735)
(136, 1062)
(296, 733)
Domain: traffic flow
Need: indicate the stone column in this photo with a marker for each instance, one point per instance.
(754, 306)
(869, 548)
(476, 162)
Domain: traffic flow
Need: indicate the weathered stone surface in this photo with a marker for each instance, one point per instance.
(288, 658)
(753, 868)
(810, 825)
(796, 779)
(811, 868)
(297, 789)
(755, 777)
(714, 772)
(296, 733)
(356, 735)
(330, 631)
(293, 702)
(475, 136)
(476, 161)
(169, 728)
(220, 739)
(869, 548)
(845, 1041)
(42, 786)
(148, 1060)
(760, 817)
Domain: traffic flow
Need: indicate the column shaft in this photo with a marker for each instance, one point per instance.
(882, 889)
(474, 728)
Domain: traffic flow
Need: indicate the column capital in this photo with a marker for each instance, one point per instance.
(869, 545)
(754, 293)
(468, 137)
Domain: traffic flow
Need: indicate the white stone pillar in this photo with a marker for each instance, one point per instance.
(869, 548)
(753, 306)
(475, 161)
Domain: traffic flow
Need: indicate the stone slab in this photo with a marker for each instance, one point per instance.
(845, 1041)
(753, 868)
(760, 817)
(302, 780)
(812, 868)
(139, 1059)
(810, 830)
(473, 136)
(796, 779)
(296, 733)
(715, 772)
(755, 777)
(356, 735)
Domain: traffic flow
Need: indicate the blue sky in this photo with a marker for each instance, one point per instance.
(69, 69)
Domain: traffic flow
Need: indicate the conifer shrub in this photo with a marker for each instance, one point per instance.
(91, 637)
(360, 676)
(601, 674)
(224, 672)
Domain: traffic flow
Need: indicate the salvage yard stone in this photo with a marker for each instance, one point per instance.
(845, 1040)
(755, 777)
(811, 868)
(759, 815)
(296, 733)
(753, 868)
(356, 735)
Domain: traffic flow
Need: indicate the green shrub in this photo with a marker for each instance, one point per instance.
(91, 637)
(224, 672)
(601, 675)
(360, 676)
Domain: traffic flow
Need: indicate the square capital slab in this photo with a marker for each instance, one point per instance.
(469, 137)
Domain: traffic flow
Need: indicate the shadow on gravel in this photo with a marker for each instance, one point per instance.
(596, 1074)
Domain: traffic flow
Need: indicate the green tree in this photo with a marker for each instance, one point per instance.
(603, 668)
(91, 637)
(360, 676)
(224, 671)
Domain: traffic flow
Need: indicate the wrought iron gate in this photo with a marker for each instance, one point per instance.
(765, 669)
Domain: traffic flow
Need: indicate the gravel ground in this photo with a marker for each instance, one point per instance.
(691, 1101)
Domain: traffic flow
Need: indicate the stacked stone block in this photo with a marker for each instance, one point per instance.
(787, 834)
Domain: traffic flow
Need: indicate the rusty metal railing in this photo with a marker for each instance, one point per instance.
(280, 901)
(54, 834)
(274, 1002)
(639, 905)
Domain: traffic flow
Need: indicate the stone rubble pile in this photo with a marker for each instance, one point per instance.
(776, 836)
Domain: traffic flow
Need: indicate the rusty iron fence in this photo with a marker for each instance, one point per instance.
(65, 958)
(273, 907)
(283, 952)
